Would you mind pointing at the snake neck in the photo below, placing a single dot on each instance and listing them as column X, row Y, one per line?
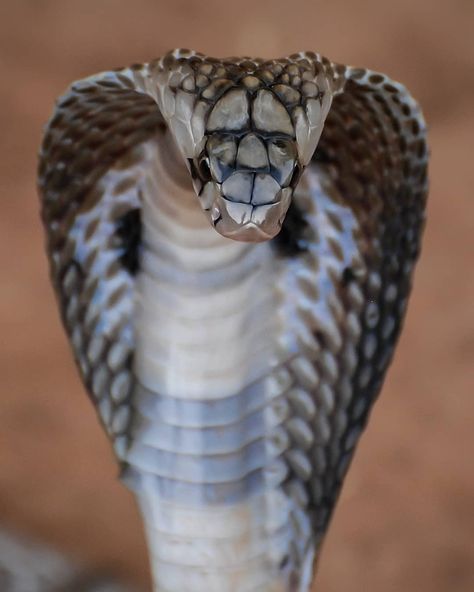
column 203, row 461
column 203, row 321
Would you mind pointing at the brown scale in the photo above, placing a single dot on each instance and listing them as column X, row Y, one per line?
column 388, row 197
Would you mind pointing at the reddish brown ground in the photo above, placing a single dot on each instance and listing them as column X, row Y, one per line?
column 405, row 521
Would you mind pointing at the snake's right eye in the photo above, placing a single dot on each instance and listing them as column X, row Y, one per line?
column 204, row 170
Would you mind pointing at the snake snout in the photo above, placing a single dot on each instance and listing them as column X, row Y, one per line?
column 255, row 189
column 248, row 182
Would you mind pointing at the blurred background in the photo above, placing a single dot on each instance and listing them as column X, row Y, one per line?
column 405, row 521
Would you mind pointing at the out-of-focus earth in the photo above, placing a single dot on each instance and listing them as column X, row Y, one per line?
column 405, row 520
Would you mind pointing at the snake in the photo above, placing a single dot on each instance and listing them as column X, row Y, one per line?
column 232, row 245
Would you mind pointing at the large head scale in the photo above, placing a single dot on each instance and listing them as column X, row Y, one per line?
column 246, row 128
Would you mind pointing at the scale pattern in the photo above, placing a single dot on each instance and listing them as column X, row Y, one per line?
column 342, row 262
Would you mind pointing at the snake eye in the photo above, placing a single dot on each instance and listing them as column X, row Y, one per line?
column 297, row 171
column 204, row 170
column 202, row 173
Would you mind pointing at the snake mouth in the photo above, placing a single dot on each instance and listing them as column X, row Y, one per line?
column 248, row 233
column 249, row 222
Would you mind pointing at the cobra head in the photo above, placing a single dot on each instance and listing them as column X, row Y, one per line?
column 246, row 129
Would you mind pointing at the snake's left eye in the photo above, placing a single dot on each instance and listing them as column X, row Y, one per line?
column 297, row 171
column 201, row 173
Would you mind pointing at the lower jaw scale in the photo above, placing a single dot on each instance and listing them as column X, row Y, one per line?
column 246, row 221
column 249, row 232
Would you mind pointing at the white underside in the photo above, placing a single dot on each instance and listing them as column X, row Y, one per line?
column 215, row 517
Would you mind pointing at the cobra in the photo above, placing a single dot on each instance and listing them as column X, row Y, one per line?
column 232, row 245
